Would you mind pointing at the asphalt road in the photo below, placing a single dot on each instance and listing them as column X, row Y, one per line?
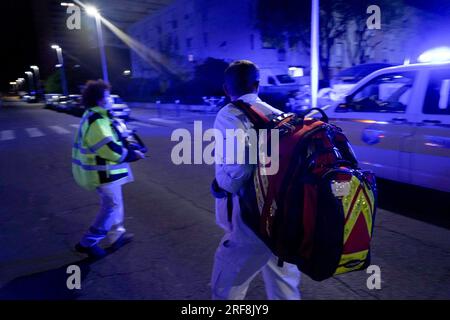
column 43, row 213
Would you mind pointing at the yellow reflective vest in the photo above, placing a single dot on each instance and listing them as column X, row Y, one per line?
column 98, row 155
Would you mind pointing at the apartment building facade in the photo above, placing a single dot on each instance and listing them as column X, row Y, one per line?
column 190, row 31
column 186, row 32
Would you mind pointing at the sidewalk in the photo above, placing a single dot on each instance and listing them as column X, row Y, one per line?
column 170, row 115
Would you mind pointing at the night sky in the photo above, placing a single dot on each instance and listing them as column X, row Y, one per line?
column 22, row 47
column 18, row 40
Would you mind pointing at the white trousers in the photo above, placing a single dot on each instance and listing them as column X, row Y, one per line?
column 109, row 220
column 241, row 255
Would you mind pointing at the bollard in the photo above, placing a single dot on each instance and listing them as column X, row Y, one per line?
column 177, row 103
column 158, row 107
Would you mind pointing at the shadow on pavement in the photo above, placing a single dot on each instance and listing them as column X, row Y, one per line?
column 427, row 205
column 46, row 285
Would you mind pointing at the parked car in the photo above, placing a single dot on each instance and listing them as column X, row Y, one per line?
column 120, row 109
column 30, row 98
column 74, row 105
column 346, row 79
column 61, row 104
column 51, row 99
column 398, row 121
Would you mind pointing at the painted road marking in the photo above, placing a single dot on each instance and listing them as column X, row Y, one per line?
column 165, row 121
column 59, row 130
column 34, row 132
column 7, row 135
column 142, row 124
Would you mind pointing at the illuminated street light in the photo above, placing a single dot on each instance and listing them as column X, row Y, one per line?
column 67, row 4
column 92, row 11
column 61, row 65
column 36, row 78
column 30, row 81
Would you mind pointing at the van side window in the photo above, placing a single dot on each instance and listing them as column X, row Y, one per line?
column 437, row 97
column 387, row 93
column 271, row 81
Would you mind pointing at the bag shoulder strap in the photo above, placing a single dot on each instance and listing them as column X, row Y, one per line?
column 256, row 117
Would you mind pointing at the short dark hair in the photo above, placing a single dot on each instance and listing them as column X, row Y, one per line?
column 93, row 92
column 241, row 76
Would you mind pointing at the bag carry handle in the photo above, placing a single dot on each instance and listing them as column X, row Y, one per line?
column 324, row 115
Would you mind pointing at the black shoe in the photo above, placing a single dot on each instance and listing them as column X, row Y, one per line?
column 94, row 252
column 122, row 240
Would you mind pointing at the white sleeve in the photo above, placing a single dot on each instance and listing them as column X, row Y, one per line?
column 229, row 174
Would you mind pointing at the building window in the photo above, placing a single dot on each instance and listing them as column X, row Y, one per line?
column 281, row 54
column 205, row 39
column 189, row 43
column 268, row 44
column 252, row 42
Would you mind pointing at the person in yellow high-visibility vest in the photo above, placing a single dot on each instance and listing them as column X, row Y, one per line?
column 100, row 161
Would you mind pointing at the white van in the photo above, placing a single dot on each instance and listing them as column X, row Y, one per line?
column 274, row 81
column 398, row 121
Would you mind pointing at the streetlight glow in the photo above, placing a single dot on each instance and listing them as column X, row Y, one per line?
column 55, row 46
column 92, row 11
column 67, row 4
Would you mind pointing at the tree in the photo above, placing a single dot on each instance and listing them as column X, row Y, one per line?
column 288, row 21
column 360, row 40
column 53, row 83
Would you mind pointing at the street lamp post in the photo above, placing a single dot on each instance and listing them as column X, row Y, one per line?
column 314, row 51
column 61, row 66
column 92, row 11
column 13, row 85
column 36, row 78
column 20, row 82
column 29, row 75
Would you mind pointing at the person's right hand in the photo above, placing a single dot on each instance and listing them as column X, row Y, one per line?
column 139, row 154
